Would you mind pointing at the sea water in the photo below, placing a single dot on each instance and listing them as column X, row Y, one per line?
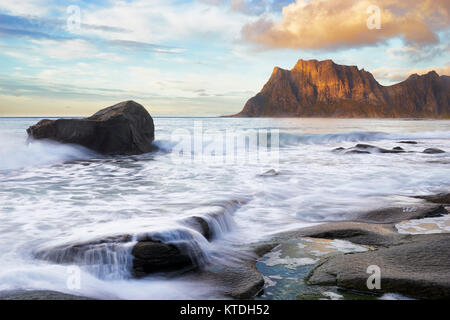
column 53, row 194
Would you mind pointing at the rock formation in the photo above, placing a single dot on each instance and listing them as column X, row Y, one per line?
column 125, row 128
column 325, row 89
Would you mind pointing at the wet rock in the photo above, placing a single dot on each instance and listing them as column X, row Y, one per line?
column 376, row 149
column 395, row 214
column 125, row 128
column 38, row 295
column 368, row 149
column 239, row 282
column 355, row 232
column 152, row 256
column 408, row 142
column 269, row 173
column 433, row 151
column 89, row 252
column 443, row 198
column 357, row 152
column 201, row 225
column 149, row 255
column 418, row 268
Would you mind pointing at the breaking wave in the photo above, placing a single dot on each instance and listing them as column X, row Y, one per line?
column 290, row 139
column 18, row 153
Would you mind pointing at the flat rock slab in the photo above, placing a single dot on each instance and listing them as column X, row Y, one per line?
column 418, row 268
column 355, row 232
column 39, row 295
column 125, row 128
column 443, row 198
column 395, row 214
column 238, row 282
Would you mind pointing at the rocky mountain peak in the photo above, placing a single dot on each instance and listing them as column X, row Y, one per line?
column 314, row 88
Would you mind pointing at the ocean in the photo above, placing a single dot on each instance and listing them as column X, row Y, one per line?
column 53, row 194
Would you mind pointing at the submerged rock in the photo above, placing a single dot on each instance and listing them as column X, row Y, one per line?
column 418, row 268
column 433, row 151
column 125, row 128
column 408, row 142
column 89, row 252
column 368, row 149
column 377, row 149
column 148, row 255
column 357, row 152
column 38, row 295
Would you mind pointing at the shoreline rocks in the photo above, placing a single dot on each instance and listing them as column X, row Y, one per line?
column 442, row 198
column 418, row 268
column 122, row 129
column 39, row 295
column 414, row 265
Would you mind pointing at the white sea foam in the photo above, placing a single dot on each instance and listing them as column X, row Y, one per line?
column 17, row 152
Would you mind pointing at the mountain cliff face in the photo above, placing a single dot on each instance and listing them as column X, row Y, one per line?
column 325, row 89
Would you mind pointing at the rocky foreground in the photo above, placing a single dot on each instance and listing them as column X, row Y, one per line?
column 413, row 265
column 325, row 89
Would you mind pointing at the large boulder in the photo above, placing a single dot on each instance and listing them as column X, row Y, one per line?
column 125, row 128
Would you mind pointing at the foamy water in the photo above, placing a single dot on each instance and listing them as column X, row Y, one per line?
column 52, row 194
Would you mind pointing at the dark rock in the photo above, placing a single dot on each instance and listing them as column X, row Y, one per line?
column 200, row 224
column 338, row 149
column 377, row 149
column 367, row 148
column 418, row 268
column 443, row 198
column 433, row 151
column 408, row 142
column 125, row 128
column 398, row 149
column 149, row 255
column 357, row 152
column 152, row 256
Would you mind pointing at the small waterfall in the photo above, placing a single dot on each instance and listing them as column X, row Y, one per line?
column 109, row 258
column 215, row 219
column 191, row 243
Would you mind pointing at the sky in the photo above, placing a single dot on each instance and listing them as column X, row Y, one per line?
column 200, row 57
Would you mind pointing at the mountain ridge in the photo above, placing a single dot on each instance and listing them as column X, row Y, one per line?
column 315, row 88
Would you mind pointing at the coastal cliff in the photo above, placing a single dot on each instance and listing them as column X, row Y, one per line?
column 325, row 89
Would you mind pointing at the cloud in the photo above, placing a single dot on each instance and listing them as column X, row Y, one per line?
column 415, row 53
column 392, row 75
column 67, row 45
column 330, row 24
